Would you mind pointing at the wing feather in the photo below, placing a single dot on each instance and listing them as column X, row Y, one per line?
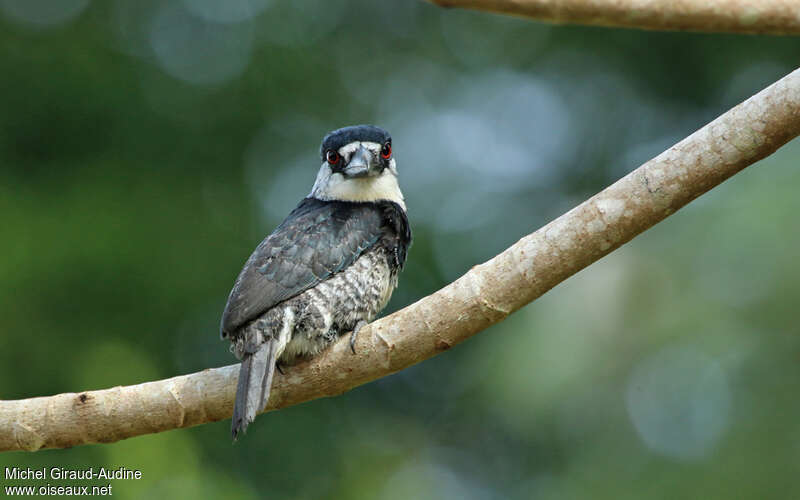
column 317, row 240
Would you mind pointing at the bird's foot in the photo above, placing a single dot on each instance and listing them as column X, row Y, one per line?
column 353, row 335
column 278, row 365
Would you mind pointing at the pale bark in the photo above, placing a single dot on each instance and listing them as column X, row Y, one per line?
column 775, row 17
column 484, row 296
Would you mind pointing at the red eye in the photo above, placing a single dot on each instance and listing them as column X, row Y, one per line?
column 386, row 151
column 332, row 157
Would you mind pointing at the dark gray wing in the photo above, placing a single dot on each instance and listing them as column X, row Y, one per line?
column 316, row 240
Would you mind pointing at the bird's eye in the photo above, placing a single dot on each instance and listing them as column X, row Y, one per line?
column 332, row 157
column 386, row 151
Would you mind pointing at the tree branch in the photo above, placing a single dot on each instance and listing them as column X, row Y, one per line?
column 485, row 295
column 774, row 17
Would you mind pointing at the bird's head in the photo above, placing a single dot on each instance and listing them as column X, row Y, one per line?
column 357, row 165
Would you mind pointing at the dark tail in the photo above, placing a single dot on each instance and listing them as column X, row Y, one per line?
column 252, row 391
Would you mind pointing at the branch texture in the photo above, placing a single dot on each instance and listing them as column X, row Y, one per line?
column 775, row 17
column 485, row 295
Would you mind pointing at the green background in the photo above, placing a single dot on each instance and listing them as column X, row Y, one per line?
column 147, row 147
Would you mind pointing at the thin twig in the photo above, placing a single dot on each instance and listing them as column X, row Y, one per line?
column 774, row 17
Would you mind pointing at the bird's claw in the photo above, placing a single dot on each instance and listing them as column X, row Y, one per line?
column 353, row 335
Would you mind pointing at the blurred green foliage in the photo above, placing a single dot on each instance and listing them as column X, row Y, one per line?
column 147, row 147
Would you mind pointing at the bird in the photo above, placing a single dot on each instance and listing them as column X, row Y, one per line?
column 328, row 269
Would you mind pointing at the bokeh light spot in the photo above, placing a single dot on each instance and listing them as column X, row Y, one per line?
column 679, row 402
column 42, row 12
column 230, row 11
column 197, row 51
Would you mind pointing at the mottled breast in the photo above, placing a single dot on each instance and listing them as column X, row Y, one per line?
column 334, row 307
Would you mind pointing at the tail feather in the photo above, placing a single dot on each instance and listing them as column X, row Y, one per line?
column 252, row 391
